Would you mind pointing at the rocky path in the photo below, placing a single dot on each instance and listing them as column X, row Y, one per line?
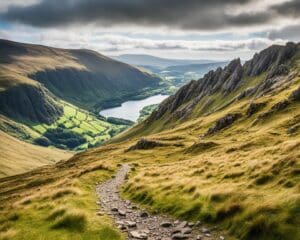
column 138, row 224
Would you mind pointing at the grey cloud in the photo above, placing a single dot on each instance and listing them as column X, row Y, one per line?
column 289, row 32
column 184, row 14
column 290, row 8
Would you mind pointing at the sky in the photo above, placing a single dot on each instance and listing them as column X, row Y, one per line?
column 185, row 29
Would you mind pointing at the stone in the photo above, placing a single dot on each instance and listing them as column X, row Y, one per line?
column 254, row 108
column 205, row 230
column 182, row 224
column 138, row 234
column 144, row 215
column 114, row 209
column 197, row 224
column 199, row 237
column 130, row 223
column 222, row 238
column 166, row 224
column 122, row 227
column 223, row 122
column 122, row 213
column 191, row 224
column 180, row 236
column 186, row 230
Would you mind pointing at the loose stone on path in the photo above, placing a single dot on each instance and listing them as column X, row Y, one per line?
column 137, row 223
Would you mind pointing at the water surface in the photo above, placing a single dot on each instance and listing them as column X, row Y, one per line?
column 131, row 109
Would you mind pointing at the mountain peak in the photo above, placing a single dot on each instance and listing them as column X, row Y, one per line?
column 233, row 81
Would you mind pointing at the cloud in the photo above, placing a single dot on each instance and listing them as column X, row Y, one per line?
column 292, row 33
column 290, row 8
column 182, row 14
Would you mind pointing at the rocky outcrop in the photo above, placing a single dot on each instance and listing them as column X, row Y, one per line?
column 221, row 80
column 270, row 59
column 274, row 61
column 295, row 95
column 144, row 144
column 254, row 108
column 32, row 103
column 224, row 122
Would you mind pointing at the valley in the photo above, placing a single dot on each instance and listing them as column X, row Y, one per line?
column 223, row 150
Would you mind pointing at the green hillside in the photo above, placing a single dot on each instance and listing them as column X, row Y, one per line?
column 226, row 154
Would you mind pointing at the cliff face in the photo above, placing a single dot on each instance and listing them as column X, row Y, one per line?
column 270, row 65
column 30, row 103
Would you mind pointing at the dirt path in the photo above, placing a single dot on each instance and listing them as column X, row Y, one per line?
column 138, row 224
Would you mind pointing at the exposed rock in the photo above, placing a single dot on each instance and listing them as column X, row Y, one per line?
column 246, row 93
column 280, row 105
column 278, row 71
column 122, row 213
column 166, row 224
column 130, row 223
column 139, row 234
column 182, row 225
column 269, row 59
column 273, row 61
column 144, row 215
column 186, row 230
column 254, row 108
column 224, row 80
column 191, row 224
column 295, row 96
column 205, row 230
column 144, row 144
column 135, row 223
column 114, row 209
column 223, row 123
column 180, row 236
column 201, row 147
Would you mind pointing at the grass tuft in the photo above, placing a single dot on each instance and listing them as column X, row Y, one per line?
column 75, row 221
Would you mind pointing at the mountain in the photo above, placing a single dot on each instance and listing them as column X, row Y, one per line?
column 40, row 74
column 200, row 69
column 148, row 60
column 52, row 97
column 223, row 150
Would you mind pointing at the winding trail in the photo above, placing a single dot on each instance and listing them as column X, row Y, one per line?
column 138, row 224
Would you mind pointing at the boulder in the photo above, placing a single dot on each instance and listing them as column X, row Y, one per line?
column 144, row 144
column 166, row 224
column 254, row 108
column 224, row 122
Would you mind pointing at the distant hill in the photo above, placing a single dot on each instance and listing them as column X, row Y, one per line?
column 223, row 151
column 148, row 60
column 32, row 77
column 200, row 68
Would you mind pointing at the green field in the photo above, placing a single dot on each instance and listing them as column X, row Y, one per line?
column 81, row 123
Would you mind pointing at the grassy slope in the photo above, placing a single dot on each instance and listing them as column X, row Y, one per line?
column 246, row 182
column 95, row 77
column 56, row 202
column 26, row 157
column 244, row 178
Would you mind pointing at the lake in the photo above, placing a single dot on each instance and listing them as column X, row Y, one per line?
column 131, row 109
